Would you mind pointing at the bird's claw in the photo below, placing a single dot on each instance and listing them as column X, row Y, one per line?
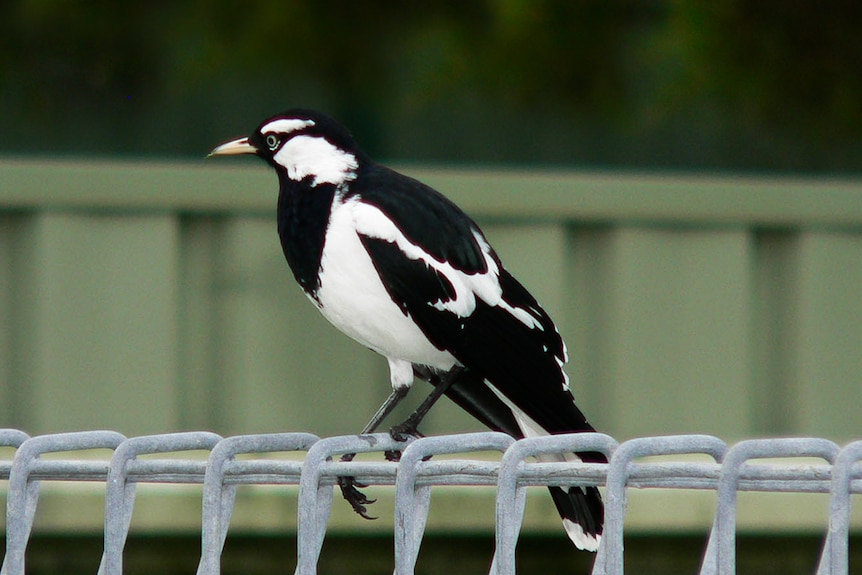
column 393, row 455
column 350, row 488
column 404, row 432
column 351, row 493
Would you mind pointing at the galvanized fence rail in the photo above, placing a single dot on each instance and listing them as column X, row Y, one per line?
column 727, row 471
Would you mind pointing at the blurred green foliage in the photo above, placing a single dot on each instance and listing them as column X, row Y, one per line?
column 724, row 84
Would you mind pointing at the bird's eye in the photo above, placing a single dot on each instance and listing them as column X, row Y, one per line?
column 271, row 141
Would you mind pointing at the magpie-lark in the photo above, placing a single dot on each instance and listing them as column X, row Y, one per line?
column 402, row 270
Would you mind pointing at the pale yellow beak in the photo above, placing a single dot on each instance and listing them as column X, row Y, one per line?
column 233, row 148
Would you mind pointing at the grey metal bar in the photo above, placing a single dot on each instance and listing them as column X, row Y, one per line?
column 10, row 438
column 315, row 496
column 24, row 493
column 609, row 559
column 120, row 492
column 218, row 496
column 511, row 492
column 834, row 559
column 412, row 501
column 730, row 471
column 720, row 557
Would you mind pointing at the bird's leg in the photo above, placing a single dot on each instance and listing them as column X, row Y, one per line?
column 410, row 426
column 349, row 487
column 383, row 412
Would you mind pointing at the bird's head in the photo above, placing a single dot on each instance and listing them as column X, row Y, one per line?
column 302, row 145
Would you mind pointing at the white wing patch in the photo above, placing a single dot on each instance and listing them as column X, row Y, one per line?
column 372, row 222
column 561, row 361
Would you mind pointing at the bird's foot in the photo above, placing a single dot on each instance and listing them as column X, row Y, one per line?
column 405, row 431
column 402, row 432
column 350, row 490
column 392, row 455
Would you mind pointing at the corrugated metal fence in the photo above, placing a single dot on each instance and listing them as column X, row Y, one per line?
column 797, row 465
column 145, row 296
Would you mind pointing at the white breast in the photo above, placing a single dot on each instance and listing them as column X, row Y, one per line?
column 352, row 297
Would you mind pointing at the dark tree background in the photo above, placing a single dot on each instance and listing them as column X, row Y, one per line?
column 725, row 84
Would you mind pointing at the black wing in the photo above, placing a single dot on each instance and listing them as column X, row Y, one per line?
column 425, row 216
column 522, row 359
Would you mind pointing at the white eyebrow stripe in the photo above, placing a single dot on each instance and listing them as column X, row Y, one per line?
column 286, row 126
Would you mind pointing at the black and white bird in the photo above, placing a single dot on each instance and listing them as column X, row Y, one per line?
column 402, row 270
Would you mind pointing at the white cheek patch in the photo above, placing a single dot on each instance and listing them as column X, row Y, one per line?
column 314, row 156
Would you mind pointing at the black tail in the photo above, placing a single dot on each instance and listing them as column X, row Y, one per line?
column 583, row 514
column 580, row 508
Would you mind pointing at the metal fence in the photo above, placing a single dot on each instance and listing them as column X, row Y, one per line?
column 727, row 470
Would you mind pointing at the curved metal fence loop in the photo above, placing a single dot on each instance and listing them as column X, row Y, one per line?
column 315, row 468
column 23, row 494
column 512, row 494
column 219, row 497
column 835, row 557
column 120, row 491
column 412, row 501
